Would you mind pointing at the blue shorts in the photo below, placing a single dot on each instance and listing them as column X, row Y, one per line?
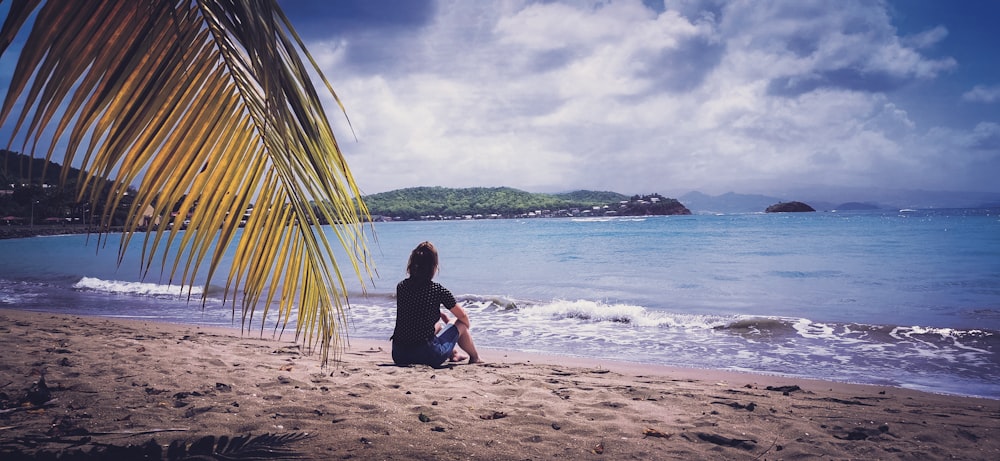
column 433, row 353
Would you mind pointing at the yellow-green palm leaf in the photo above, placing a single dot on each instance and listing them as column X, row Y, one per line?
column 206, row 104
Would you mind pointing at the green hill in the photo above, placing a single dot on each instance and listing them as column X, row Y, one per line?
column 592, row 197
column 28, row 197
column 417, row 202
column 29, row 202
column 506, row 202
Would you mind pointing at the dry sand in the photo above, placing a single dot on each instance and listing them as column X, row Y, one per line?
column 111, row 383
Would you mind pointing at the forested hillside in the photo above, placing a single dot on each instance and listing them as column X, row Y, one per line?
column 29, row 197
column 44, row 202
column 506, row 202
column 416, row 202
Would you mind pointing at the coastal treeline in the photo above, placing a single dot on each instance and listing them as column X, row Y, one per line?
column 32, row 193
column 417, row 203
column 422, row 202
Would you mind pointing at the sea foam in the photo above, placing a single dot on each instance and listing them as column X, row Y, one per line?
column 135, row 288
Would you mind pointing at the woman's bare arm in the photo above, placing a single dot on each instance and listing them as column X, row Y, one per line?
column 460, row 315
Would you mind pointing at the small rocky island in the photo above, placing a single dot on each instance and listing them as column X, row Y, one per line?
column 650, row 205
column 789, row 207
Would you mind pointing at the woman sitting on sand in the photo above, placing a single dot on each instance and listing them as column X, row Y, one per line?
column 418, row 337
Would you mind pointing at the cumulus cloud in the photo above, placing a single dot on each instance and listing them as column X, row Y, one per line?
column 614, row 95
column 983, row 93
column 927, row 38
column 986, row 137
column 812, row 45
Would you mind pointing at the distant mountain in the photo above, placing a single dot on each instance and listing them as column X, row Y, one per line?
column 28, row 196
column 856, row 206
column 837, row 198
column 891, row 198
column 729, row 202
column 17, row 169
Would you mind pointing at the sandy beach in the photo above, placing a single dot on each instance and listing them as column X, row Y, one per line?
column 90, row 386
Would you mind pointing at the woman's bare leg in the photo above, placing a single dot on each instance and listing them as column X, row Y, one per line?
column 465, row 342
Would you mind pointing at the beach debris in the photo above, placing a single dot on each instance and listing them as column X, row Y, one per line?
column 437, row 429
column 746, row 444
column 223, row 387
column 494, row 415
column 556, row 426
column 736, row 405
column 289, row 350
column 598, row 449
column 785, row 390
column 266, row 446
column 242, row 447
column 845, row 402
column 39, row 393
column 38, row 396
column 195, row 411
column 185, row 394
column 562, row 393
column 650, row 432
column 863, row 433
column 155, row 391
column 148, row 431
column 424, row 418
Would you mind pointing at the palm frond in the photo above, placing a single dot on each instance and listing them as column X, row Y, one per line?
column 206, row 106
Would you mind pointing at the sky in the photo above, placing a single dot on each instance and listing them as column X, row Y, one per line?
column 662, row 96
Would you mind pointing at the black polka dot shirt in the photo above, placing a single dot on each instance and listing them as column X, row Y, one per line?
column 418, row 308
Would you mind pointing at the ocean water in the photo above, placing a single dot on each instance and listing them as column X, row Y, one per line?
column 888, row 298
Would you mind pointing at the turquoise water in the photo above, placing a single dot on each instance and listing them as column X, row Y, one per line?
column 902, row 299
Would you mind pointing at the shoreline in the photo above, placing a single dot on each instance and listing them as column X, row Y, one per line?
column 45, row 230
column 549, row 357
column 122, row 382
column 869, row 378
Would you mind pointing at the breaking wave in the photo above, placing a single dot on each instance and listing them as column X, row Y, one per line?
column 638, row 316
column 136, row 288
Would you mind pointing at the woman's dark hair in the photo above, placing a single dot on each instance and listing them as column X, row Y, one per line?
column 423, row 262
